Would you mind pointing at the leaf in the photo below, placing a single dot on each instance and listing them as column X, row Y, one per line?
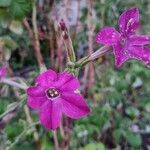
column 147, row 107
column 20, row 8
column 45, row 144
column 3, row 13
column 8, row 42
column 133, row 139
column 7, row 53
column 132, row 111
column 94, row 146
column 117, row 134
column 4, row 23
column 16, row 27
column 5, row 3
column 4, row 17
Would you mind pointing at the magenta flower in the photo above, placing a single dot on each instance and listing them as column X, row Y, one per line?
column 3, row 71
column 126, row 44
column 55, row 94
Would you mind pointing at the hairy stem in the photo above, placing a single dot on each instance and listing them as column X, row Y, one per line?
column 62, row 130
column 55, row 140
column 35, row 133
column 91, row 28
column 35, row 31
column 13, row 83
column 100, row 52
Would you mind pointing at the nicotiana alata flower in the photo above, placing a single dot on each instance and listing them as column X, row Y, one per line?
column 126, row 43
column 55, row 94
column 3, row 71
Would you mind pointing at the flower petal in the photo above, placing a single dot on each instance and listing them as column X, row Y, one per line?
column 70, row 85
column 47, row 78
column 129, row 21
column 3, row 71
column 50, row 115
column 107, row 35
column 67, row 82
column 120, row 54
column 74, row 105
column 140, row 53
column 36, row 91
column 139, row 40
column 36, row 102
column 63, row 78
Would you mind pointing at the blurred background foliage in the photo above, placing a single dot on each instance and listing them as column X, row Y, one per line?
column 119, row 98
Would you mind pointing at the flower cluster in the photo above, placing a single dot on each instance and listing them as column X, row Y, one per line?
column 55, row 94
column 126, row 44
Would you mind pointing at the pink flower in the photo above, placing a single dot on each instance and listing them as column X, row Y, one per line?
column 53, row 95
column 3, row 71
column 126, row 44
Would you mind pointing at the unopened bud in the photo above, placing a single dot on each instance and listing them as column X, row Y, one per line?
column 62, row 25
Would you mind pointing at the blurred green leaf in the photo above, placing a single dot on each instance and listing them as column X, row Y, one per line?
column 8, row 42
column 20, row 8
column 117, row 134
column 5, row 3
column 16, row 27
column 132, row 111
column 46, row 145
column 7, row 53
column 94, row 146
column 134, row 139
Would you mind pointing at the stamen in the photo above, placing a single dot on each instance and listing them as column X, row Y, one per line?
column 52, row 93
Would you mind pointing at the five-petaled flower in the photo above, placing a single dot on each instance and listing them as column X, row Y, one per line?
column 3, row 71
column 55, row 94
column 126, row 44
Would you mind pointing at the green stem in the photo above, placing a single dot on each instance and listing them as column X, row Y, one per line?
column 56, row 140
column 13, row 83
column 100, row 52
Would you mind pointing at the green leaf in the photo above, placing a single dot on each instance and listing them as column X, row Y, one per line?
column 94, row 146
column 20, row 8
column 16, row 27
column 45, row 144
column 7, row 52
column 3, row 12
column 147, row 107
column 118, row 134
column 8, row 42
column 4, row 17
column 5, row 3
column 132, row 112
column 133, row 139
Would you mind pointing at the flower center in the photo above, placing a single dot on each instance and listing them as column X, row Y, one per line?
column 123, row 41
column 52, row 93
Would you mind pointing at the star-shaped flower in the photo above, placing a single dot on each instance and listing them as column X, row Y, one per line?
column 126, row 44
column 55, row 94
